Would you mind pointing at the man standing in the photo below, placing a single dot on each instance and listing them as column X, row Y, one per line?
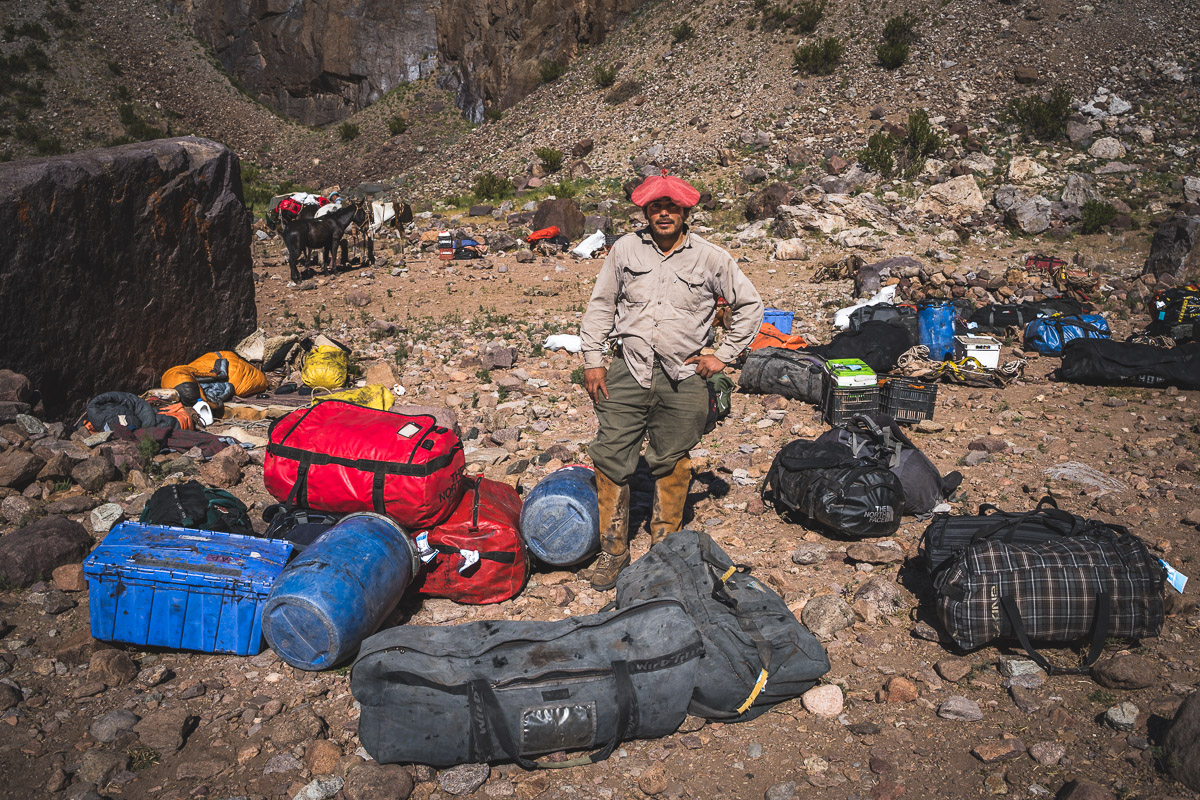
column 656, row 295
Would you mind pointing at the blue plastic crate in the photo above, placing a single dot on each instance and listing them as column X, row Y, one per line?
column 181, row 588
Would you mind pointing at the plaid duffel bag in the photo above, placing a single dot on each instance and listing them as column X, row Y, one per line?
column 1098, row 581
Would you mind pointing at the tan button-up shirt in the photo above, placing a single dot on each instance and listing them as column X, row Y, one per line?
column 663, row 305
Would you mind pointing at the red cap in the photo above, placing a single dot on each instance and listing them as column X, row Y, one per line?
column 657, row 186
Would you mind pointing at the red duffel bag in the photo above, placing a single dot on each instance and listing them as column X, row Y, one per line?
column 480, row 555
column 342, row 457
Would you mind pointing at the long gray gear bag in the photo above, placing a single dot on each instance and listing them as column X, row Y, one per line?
column 756, row 653
column 508, row 691
column 776, row 370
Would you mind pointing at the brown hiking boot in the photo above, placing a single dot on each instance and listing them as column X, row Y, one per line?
column 606, row 569
column 613, row 502
column 670, row 495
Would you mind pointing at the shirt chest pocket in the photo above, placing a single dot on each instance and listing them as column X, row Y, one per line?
column 690, row 292
column 637, row 284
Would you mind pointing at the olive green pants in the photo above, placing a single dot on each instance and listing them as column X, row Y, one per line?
column 672, row 415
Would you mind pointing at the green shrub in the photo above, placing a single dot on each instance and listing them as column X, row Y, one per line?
column 396, row 125
column 490, row 186
column 808, row 16
column 347, row 131
column 605, row 76
column 623, row 91
column 551, row 159
column 1042, row 117
column 577, row 376
column 819, row 58
column 565, row 189
column 28, row 30
column 923, row 139
column 493, row 114
column 552, row 70
column 900, row 29
column 892, row 55
column 682, row 31
column 1097, row 214
column 880, row 154
column 137, row 127
column 115, row 68
column 61, row 20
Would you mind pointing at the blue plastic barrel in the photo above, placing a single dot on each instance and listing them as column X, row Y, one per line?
column 935, row 327
column 782, row 320
column 560, row 520
column 338, row 591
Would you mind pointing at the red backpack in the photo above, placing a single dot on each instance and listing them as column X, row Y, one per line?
column 481, row 557
column 341, row 457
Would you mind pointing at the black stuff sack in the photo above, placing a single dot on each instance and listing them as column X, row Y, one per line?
column 795, row 374
column 825, row 484
column 192, row 505
column 756, row 653
column 903, row 315
column 300, row 526
column 1098, row 582
column 1103, row 362
column 879, row 437
column 879, row 344
column 512, row 690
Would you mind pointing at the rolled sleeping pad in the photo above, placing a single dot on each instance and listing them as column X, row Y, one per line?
column 339, row 590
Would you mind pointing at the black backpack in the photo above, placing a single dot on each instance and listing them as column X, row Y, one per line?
column 1103, row 362
column 1172, row 307
column 824, row 483
column 879, row 344
column 300, row 526
column 756, row 653
column 795, row 374
column 879, row 437
column 193, row 505
column 903, row 315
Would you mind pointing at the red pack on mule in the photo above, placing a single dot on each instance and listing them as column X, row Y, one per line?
column 341, row 457
column 481, row 557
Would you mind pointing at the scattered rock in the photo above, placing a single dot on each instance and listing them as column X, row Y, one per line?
column 1025, row 75
column 899, row 690
column 69, row 578
column 826, row 614
column 19, row 467
column 654, row 780
column 955, row 198
column 1084, row 790
column 1125, row 672
column 1107, row 148
column 104, row 517
column 960, row 708
column 112, row 667
column 281, row 764
column 463, row 779
column 995, row 750
column 371, row 781
column 781, row 791
column 887, row 552
column 953, row 669
column 791, row 250
column 1122, row 717
column 321, row 788
column 99, row 766
column 165, row 730
column 823, row 701
column 322, row 756
column 33, row 552
column 1047, row 753
column 809, row 553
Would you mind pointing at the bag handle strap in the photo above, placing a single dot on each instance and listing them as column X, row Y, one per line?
column 1100, row 626
column 475, row 506
column 493, row 720
column 720, row 575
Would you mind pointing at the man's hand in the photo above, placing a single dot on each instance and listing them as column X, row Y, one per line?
column 593, row 381
column 707, row 366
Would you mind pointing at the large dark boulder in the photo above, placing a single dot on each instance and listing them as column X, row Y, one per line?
column 765, row 202
column 1182, row 743
column 562, row 212
column 119, row 263
column 33, row 552
column 1175, row 250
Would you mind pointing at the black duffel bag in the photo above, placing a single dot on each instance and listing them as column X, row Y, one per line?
column 879, row 344
column 300, row 526
column 508, row 690
column 878, row 436
column 756, row 653
column 1095, row 581
column 795, row 374
column 1103, row 362
column 999, row 317
column 825, row 484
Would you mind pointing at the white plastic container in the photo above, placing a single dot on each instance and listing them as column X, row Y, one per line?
column 984, row 349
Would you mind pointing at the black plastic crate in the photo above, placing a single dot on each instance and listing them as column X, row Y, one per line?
column 907, row 400
column 841, row 404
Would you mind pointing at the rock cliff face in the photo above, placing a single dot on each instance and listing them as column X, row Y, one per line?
column 120, row 263
column 492, row 49
column 319, row 61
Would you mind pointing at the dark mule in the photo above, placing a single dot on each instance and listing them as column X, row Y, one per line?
column 324, row 232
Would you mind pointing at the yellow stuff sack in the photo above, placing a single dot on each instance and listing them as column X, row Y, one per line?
column 375, row 396
column 326, row 367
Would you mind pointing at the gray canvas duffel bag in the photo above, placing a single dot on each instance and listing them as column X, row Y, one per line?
column 794, row 374
column 756, row 653
column 508, row 690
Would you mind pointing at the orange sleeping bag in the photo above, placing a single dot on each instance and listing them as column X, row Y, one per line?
column 247, row 380
column 770, row 336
